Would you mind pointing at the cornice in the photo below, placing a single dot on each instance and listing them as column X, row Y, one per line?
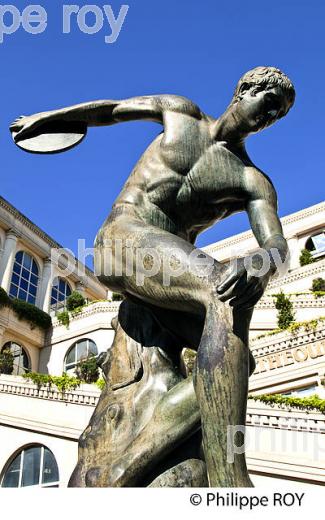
column 38, row 231
column 298, row 301
column 298, row 274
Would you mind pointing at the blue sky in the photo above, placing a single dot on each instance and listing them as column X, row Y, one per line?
column 196, row 49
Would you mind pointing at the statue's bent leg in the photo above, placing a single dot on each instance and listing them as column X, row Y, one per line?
column 128, row 247
column 221, row 376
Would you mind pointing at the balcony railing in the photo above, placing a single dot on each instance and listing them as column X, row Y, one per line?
column 86, row 395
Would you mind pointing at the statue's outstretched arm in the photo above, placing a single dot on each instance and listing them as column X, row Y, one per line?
column 109, row 112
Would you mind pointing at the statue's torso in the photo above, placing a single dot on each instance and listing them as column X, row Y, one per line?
column 189, row 178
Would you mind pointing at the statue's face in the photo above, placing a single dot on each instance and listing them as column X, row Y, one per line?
column 261, row 107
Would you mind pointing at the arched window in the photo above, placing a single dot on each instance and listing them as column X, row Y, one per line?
column 21, row 359
column 32, row 466
column 60, row 291
column 82, row 349
column 24, row 279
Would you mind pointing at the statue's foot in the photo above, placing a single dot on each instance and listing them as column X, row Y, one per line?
column 189, row 473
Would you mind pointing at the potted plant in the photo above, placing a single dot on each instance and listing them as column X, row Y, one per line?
column 87, row 370
column 6, row 362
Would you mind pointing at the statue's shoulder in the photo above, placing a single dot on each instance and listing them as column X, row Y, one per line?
column 181, row 105
column 259, row 184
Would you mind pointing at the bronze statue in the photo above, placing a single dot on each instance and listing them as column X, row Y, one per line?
column 195, row 173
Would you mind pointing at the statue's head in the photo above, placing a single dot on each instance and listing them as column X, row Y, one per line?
column 263, row 95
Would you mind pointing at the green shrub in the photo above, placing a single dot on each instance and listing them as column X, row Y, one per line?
column 117, row 297
column 31, row 313
column 4, row 298
column 285, row 311
column 306, row 257
column 100, row 383
column 75, row 300
column 63, row 383
column 26, row 311
column 87, row 370
column 319, row 294
column 309, row 325
column 312, row 402
column 318, row 285
column 64, row 318
column 39, row 379
column 6, row 361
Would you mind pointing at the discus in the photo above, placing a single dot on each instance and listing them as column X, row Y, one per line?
column 53, row 137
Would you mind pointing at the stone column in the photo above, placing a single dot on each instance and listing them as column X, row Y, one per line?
column 294, row 252
column 321, row 383
column 45, row 287
column 8, row 258
column 2, row 331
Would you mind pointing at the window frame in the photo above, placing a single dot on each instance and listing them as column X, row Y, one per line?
column 21, row 453
column 55, row 305
column 23, row 351
column 73, row 365
column 20, row 274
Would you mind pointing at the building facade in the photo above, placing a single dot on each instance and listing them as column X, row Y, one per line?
column 40, row 426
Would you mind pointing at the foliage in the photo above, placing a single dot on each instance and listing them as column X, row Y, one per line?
column 99, row 300
column 306, row 257
column 87, row 370
column 285, row 311
column 294, row 327
column 39, row 379
column 313, row 402
column 4, row 298
column 26, row 311
column 306, row 325
column 75, row 304
column 75, row 300
column 319, row 294
column 100, row 383
column 305, row 293
column 31, row 313
column 63, row 383
column 6, row 361
column 269, row 333
column 117, row 297
column 318, row 285
column 64, row 318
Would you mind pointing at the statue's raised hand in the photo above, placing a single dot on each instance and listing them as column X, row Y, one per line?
column 24, row 126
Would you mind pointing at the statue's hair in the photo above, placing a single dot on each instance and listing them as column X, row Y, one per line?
column 265, row 77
